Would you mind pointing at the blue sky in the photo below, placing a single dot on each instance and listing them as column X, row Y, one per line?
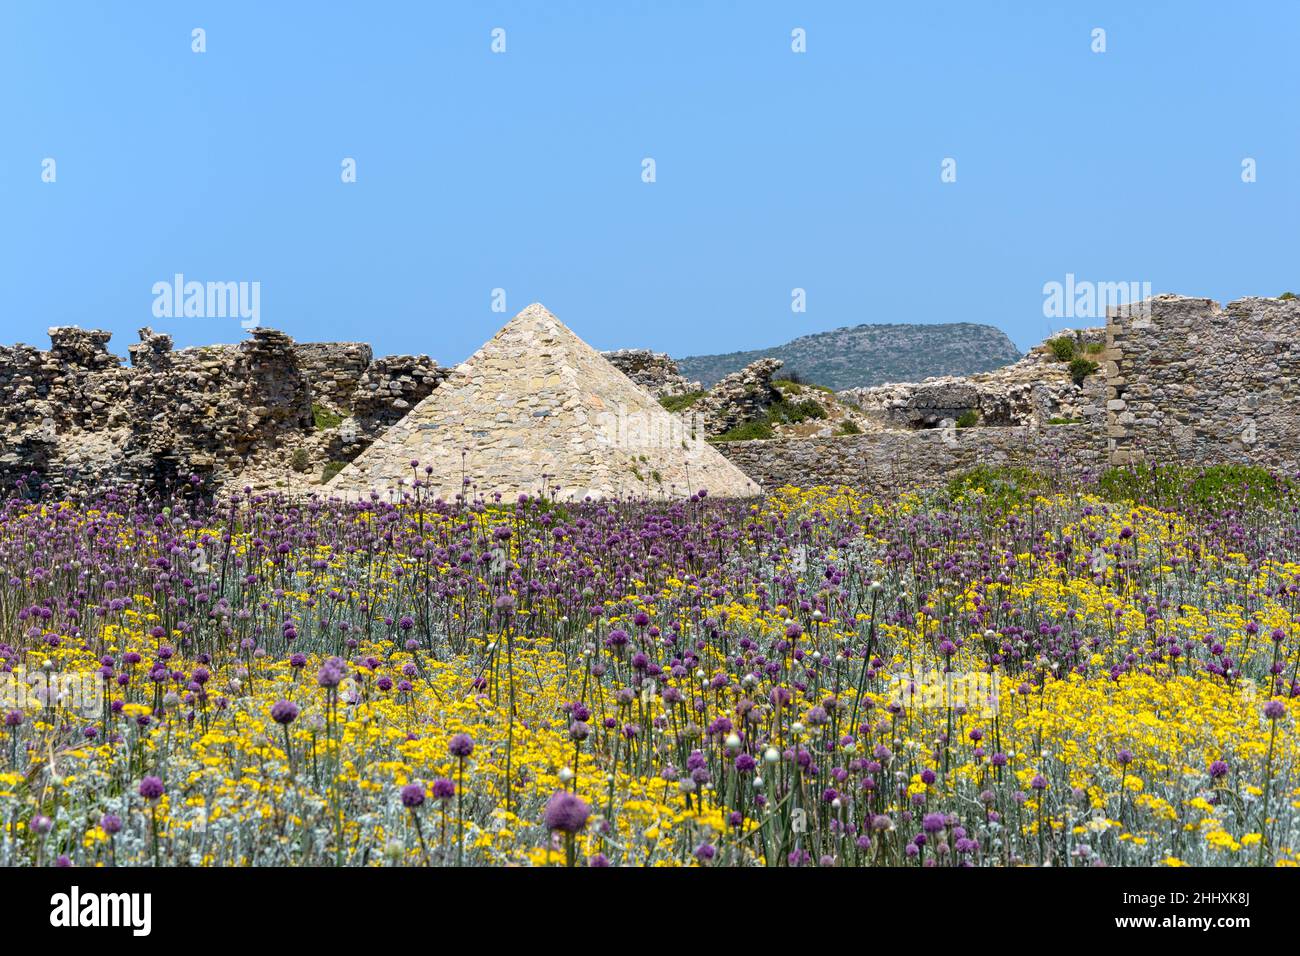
column 522, row 170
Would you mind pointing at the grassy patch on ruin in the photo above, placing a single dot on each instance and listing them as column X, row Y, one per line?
column 679, row 403
column 784, row 412
column 849, row 428
column 750, row 431
column 324, row 419
column 968, row 419
column 332, row 469
column 795, row 386
column 1178, row 487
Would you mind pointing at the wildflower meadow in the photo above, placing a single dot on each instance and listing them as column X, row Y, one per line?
column 996, row 674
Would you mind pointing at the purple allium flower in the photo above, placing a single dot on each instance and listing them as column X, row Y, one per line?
column 111, row 823
column 284, row 711
column 566, row 812
column 443, row 789
column 412, row 795
column 151, row 788
column 331, row 675
column 1218, row 769
column 14, row 718
column 462, row 745
column 1274, row 710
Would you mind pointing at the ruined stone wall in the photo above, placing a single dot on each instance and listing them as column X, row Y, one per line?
column 889, row 462
column 79, row 418
column 1194, row 383
column 334, row 370
column 656, row 372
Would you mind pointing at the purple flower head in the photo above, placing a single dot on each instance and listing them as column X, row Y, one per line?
column 151, row 788
column 566, row 812
column 284, row 711
column 462, row 745
column 412, row 795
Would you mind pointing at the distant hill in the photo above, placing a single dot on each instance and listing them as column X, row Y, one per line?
column 862, row 355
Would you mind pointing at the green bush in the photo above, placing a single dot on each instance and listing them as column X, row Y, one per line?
column 850, row 428
column 300, row 461
column 747, row 432
column 1081, row 368
column 1065, row 421
column 968, row 419
column 331, row 469
column 1287, row 295
column 324, row 419
column 678, row 403
column 792, row 413
column 1062, row 348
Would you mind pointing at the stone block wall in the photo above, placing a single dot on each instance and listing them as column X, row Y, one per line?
column 1192, row 382
column 334, row 370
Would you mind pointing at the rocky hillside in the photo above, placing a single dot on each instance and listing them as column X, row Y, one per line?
column 863, row 355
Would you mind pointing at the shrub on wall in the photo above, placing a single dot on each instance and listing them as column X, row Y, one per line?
column 1081, row 368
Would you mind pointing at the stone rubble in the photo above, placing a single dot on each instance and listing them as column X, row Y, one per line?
column 79, row 418
column 656, row 372
column 1033, row 391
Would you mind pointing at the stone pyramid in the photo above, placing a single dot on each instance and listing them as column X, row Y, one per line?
column 538, row 411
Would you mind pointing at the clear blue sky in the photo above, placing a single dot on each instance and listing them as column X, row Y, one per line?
column 522, row 170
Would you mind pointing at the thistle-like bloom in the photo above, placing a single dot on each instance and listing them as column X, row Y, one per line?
column 284, row 711
column 566, row 812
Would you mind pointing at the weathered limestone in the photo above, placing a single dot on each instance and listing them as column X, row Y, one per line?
column 1190, row 381
column 741, row 397
column 538, row 411
column 656, row 372
column 80, row 419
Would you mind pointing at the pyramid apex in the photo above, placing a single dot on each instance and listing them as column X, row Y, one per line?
column 534, row 312
column 537, row 319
